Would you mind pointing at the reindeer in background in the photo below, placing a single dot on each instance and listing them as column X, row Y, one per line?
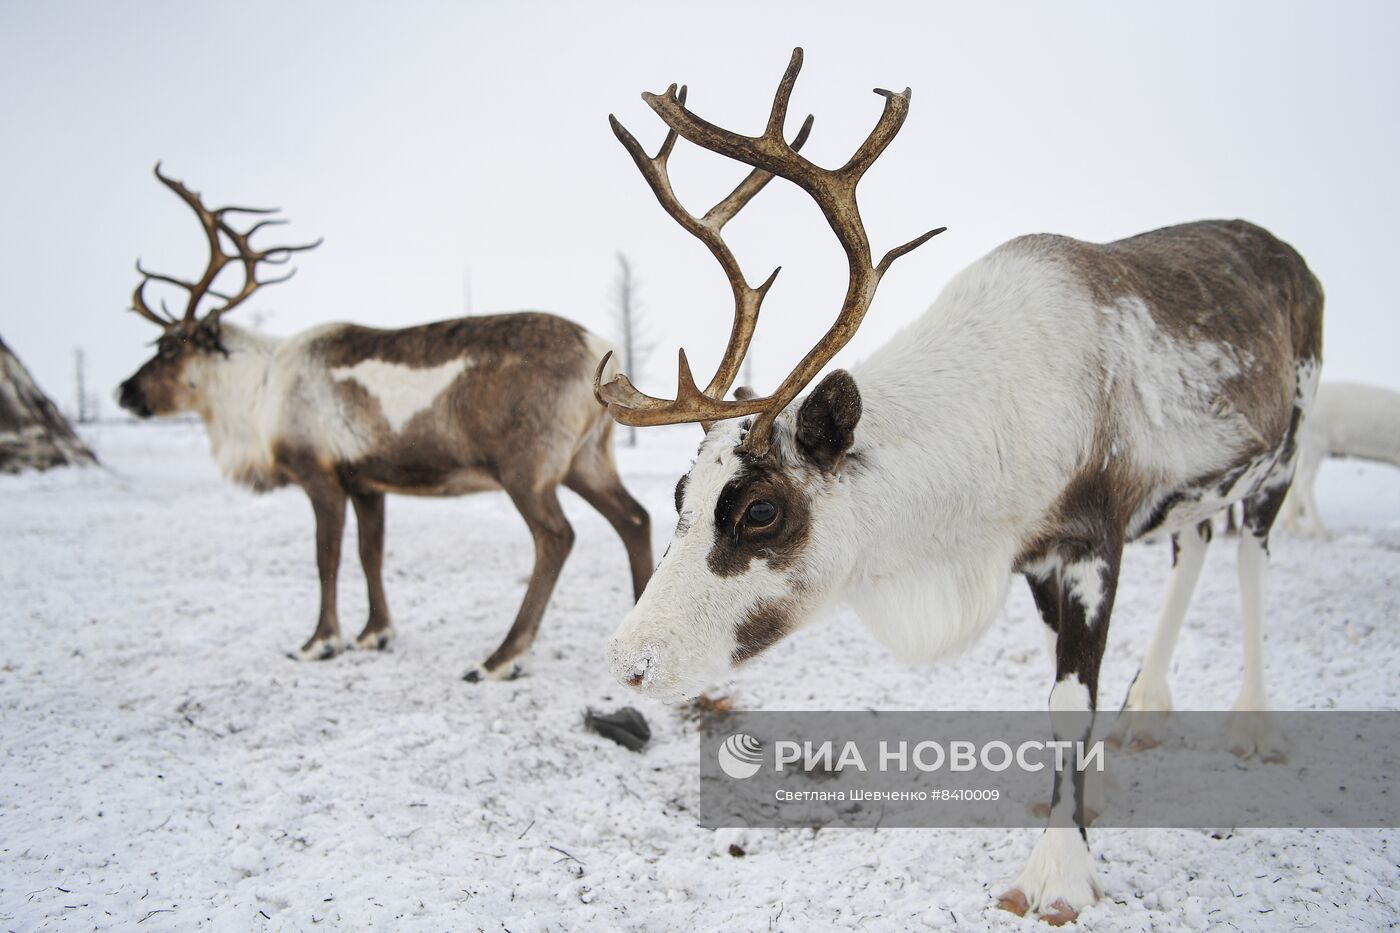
column 1058, row 399
column 351, row 413
column 1350, row 420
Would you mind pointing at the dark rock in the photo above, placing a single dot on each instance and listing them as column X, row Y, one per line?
column 626, row 727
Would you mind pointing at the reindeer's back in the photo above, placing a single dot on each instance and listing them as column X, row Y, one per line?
column 1216, row 313
column 1227, row 279
column 453, row 405
column 1206, row 359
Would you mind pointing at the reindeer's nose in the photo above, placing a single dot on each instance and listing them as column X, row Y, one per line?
column 130, row 398
column 633, row 665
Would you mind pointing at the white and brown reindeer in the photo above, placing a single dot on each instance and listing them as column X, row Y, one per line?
column 492, row 402
column 1349, row 420
column 1058, row 399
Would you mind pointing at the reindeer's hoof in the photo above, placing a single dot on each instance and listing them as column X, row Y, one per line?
column 1255, row 733
column 1143, row 741
column 318, row 649
column 1132, row 741
column 1058, row 880
column 1014, row 901
column 1058, row 914
column 1269, row 756
column 505, row 672
column 378, row 640
column 1144, row 718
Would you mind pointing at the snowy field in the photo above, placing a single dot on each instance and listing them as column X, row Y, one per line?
column 164, row 764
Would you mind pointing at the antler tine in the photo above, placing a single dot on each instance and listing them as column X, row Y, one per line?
column 160, row 277
column 624, row 400
column 777, row 117
column 663, row 155
column 233, row 209
column 889, row 124
column 138, row 301
column 271, row 221
column 834, row 191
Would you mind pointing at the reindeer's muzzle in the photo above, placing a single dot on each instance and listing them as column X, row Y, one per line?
column 651, row 668
column 130, row 397
column 633, row 665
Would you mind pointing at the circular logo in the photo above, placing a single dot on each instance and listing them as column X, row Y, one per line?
column 740, row 756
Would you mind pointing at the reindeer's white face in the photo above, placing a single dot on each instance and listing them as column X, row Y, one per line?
column 761, row 543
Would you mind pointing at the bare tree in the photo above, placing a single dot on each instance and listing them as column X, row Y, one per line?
column 627, row 313
column 84, row 412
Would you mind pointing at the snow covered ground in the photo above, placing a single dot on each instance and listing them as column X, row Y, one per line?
column 164, row 764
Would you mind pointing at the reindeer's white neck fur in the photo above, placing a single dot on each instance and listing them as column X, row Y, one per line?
column 969, row 432
column 235, row 400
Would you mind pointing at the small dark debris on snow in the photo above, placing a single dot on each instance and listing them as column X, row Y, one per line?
column 704, row 709
column 737, row 850
column 626, row 727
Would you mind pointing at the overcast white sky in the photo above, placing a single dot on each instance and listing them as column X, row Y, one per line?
column 423, row 139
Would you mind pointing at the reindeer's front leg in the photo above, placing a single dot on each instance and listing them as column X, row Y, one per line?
column 1059, row 881
column 328, row 501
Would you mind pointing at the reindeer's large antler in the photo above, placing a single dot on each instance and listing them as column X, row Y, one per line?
column 215, row 227
column 707, row 229
column 834, row 190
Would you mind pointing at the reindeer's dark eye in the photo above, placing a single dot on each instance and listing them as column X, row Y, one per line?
column 760, row 514
column 168, row 347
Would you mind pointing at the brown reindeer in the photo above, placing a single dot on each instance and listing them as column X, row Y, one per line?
column 351, row 413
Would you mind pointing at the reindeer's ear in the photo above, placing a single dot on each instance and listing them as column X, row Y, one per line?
column 744, row 393
column 826, row 422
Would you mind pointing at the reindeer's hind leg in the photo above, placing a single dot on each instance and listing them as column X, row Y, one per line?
column 593, row 475
column 1252, row 727
column 369, row 519
column 1149, row 692
column 554, row 538
column 328, row 502
column 1303, row 493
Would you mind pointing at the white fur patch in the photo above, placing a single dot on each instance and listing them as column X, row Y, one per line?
column 1069, row 696
column 934, row 613
column 1084, row 583
column 1174, row 380
column 401, row 391
column 1070, row 713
